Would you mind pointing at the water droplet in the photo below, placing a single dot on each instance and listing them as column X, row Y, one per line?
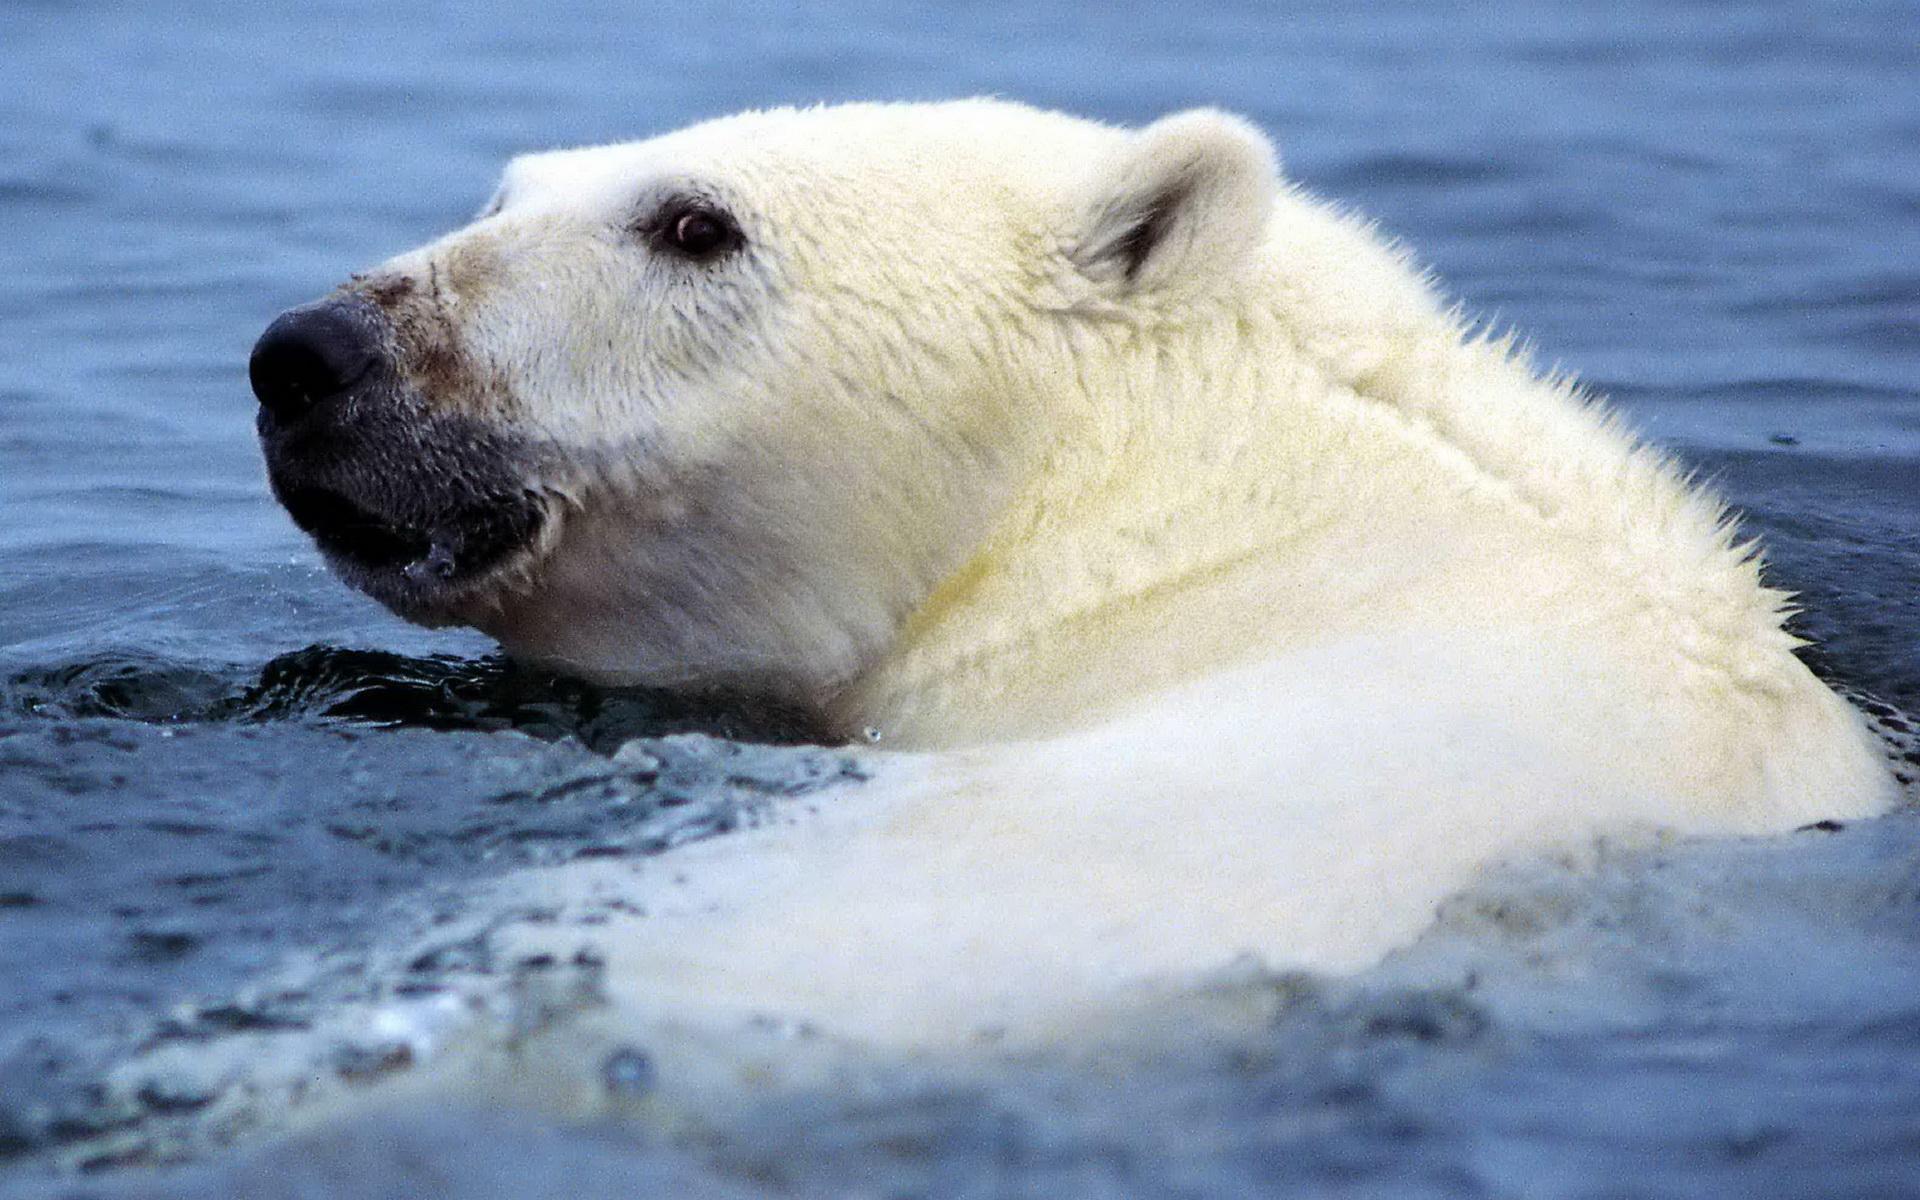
column 628, row 1072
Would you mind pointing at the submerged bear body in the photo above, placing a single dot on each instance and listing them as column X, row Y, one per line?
column 1254, row 602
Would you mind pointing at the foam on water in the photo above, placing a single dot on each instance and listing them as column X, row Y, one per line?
column 1568, row 1019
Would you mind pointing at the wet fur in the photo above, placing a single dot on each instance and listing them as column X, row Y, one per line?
column 1243, row 597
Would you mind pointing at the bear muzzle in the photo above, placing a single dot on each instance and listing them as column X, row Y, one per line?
column 417, row 507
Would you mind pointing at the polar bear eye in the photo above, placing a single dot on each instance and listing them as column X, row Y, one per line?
column 697, row 233
column 695, row 230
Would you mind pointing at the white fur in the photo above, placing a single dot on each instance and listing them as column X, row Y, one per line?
column 1261, row 602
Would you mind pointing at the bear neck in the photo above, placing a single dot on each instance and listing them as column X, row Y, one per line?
column 1225, row 490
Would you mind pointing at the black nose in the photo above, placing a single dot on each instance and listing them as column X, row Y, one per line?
column 313, row 353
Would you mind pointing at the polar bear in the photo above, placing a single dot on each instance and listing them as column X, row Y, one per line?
column 1209, row 585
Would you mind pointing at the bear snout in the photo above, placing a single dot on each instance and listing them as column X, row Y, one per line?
column 312, row 356
column 411, row 503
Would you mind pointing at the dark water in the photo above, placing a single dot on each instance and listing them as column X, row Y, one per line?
column 225, row 782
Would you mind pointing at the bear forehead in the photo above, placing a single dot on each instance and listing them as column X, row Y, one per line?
column 948, row 148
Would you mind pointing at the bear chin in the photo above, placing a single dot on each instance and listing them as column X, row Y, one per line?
column 433, row 559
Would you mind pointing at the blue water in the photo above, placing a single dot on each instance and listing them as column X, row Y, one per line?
column 215, row 760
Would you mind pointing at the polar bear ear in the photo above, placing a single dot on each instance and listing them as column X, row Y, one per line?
column 1182, row 201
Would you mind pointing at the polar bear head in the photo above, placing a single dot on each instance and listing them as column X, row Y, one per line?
column 722, row 408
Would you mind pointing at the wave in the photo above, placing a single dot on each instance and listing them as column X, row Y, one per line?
column 334, row 685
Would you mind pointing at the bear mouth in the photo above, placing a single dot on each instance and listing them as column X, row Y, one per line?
column 422, row 569
column 347, row 530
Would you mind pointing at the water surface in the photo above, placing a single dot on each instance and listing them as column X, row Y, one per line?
column 228, row 786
